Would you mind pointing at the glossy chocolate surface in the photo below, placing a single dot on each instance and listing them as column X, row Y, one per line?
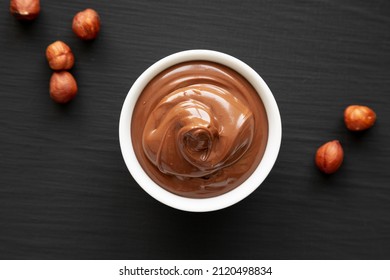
column 199, row 129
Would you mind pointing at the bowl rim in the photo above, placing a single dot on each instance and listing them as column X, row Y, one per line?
column 226, row 199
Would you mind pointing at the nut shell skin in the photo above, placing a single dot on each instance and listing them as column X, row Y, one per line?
column 329, row 157
column 63, row 87
column 358, row 118
column 60, row 56
column 86, row 24
column 25, row 9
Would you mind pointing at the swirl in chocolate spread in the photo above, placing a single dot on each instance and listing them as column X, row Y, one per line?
column 199, row 129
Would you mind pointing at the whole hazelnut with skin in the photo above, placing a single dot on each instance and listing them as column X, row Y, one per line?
column 25, row 9
column 63, row 87
column 86, row 24
column 329, row 157
column 358, row 118
column 59, row 56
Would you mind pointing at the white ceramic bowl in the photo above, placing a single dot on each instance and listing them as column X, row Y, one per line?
column 233, row 196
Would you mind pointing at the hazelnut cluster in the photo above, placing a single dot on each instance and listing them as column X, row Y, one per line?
column 63, row 86
column 86, row 25
column 330, row 155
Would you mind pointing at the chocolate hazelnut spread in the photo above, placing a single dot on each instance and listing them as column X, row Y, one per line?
column 199, row 129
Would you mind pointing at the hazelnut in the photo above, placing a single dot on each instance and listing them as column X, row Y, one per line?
column 59, row 56
column 359, row 118
column 329, row 157
column 25, row 9
column 86, row 24
column 63, row 87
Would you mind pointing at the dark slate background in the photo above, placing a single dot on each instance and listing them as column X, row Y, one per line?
column 65, row 192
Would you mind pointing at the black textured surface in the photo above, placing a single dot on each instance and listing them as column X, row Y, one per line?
column 65, row 192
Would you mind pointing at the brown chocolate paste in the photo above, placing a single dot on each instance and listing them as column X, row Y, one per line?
column 199, row 129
